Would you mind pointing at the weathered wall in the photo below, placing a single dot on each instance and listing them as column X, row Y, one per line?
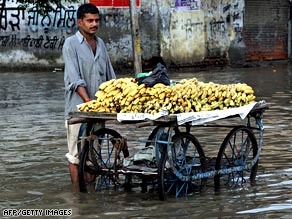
column 183, row 33
column 198, row 33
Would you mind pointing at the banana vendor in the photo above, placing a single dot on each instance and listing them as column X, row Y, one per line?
column 87, row 65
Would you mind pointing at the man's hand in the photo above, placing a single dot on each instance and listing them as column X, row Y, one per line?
column 83, row 93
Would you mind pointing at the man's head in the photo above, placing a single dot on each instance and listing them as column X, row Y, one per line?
column 86, row 9
column 88, row 19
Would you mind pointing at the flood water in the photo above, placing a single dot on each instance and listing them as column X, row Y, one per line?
column 34, row 174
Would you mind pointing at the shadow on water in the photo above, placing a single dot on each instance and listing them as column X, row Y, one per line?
column 33, row 170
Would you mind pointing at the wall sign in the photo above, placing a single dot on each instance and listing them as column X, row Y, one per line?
column 114, row 3
column 187, row 4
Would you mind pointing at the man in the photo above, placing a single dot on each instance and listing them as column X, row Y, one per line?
column 87, row 65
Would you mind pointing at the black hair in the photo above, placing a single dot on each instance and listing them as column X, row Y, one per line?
column 86, row 9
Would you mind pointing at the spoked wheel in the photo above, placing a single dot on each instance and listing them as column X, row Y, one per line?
column 99, row 160
column 235, row 159
column 159, row 138
column 179, row 167
column 153, row 134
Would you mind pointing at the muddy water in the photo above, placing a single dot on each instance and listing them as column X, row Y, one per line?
column 33, row 170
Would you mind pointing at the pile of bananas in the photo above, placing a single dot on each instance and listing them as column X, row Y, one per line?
column 188, row 95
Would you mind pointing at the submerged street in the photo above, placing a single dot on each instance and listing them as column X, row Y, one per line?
column 34, row 172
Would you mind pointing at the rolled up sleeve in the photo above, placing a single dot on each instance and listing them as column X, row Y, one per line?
column 72, row 77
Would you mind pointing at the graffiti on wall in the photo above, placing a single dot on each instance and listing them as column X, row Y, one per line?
column 29, row 29
column 46, row 42
column 12, row 17
column 187, row 36
column 224, row 22
column 58, row 19
column 189, row 26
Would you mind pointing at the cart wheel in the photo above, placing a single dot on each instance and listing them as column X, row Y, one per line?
column 151, row 137
column 183, row 160
column 237, row 152
column 98, row 161
column 161, row 133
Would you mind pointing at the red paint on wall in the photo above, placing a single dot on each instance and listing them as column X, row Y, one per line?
column 114, row 3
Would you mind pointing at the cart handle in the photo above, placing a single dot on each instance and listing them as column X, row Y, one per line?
column 144, row 124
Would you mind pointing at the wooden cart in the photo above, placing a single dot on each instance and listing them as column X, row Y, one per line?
column 180, row 165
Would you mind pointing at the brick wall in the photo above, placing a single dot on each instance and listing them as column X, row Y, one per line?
column 266, row 29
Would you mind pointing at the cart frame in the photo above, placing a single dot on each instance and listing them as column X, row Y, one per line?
column 182, row 166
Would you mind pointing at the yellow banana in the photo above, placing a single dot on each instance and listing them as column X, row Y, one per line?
column 162, row 96
column 204, row 95
column 248, row 91
column 159, row 85
column 105, row 84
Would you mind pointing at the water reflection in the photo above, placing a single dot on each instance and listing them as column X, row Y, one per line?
column 33, row 170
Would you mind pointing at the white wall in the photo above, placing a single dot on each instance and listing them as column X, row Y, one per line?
column 182, row 35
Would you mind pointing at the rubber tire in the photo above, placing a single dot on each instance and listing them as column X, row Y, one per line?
column 228, row 139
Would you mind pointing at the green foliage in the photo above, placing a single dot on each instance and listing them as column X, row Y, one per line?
column 43, row 6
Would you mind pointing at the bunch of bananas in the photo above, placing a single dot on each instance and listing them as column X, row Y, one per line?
column 188, row 95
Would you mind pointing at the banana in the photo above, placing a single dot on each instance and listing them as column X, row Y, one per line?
column 109, row 89
column 204, row 101
column 169, row 106
column 142, row 99
column 159, row 85
column 127, row 90
column 105, row 84
column 117, row 82
column 125, row 95
column 189, row 104
column 248, row 91
column 224, row 94
column 211, row 98
column 133, row 92
column 250, row 97
column 136, row 101
column 233, row 96
column 209, row 91
column 166, row 101
column 83, row 107
column 162, row 96
column 114, row 92
column 215, row 105
column 231, row 103
column 204, row 95
column 142, row 91
column 174, row 97
column 123, row 102
column 228, row 94
column 216, row 93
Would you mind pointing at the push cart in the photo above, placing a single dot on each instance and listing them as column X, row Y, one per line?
column 180, row 165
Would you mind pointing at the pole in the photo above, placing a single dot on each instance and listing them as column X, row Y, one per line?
column 290, row 31
column 136, row 43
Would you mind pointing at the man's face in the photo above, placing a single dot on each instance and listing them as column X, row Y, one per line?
column 89, row 24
